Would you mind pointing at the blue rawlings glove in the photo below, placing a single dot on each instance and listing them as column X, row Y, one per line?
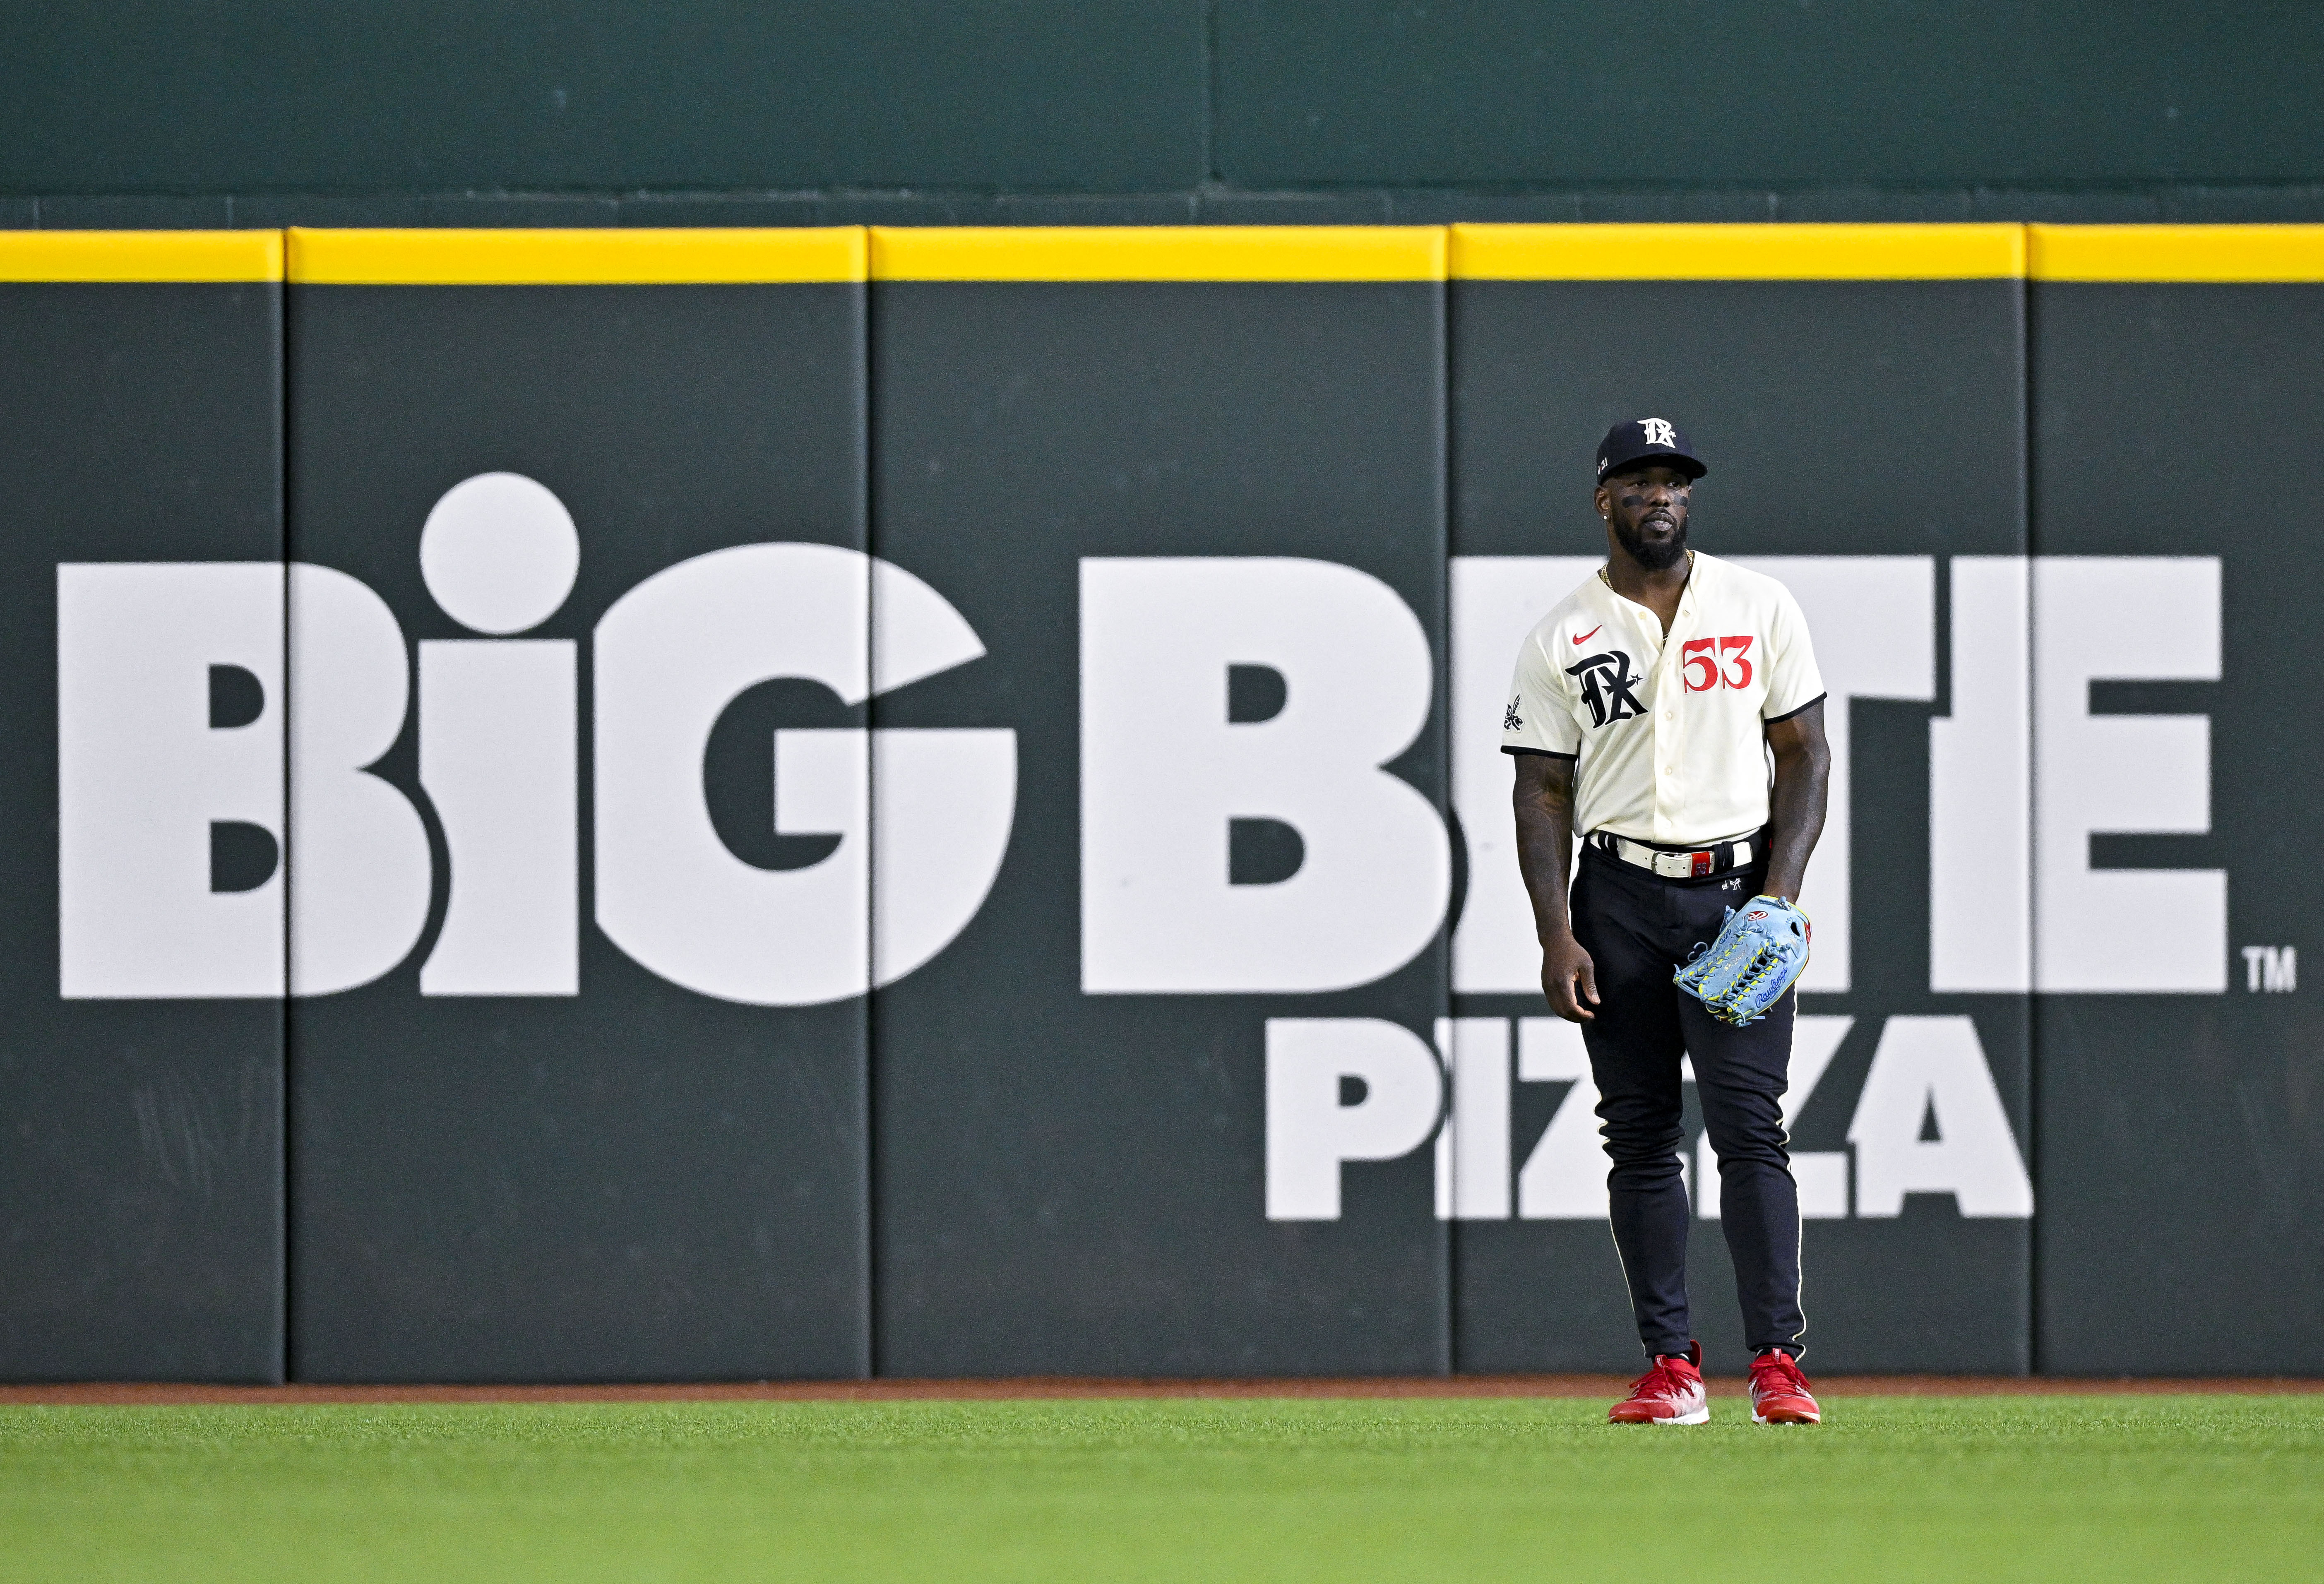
column 1746, row 970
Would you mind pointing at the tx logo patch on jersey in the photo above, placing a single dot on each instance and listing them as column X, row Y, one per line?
column 1606, row 682
column 1513, row 720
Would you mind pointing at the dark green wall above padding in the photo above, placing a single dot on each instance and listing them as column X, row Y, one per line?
column 1924, row 93
column 944, row 112
column 143, row 96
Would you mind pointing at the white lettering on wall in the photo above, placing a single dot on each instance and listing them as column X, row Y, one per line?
column 670, row 655
column 943, row 798
column 1165, row 773
column 499, row 759
column 1472, row 1147
column 2023, row 774
column 2117, row 931
column 2274, row 970
column 1564, row 1177
column 499, row 752
column 1495, row 602
column 142, row 776
column 1981, row 787
column 1820, row 1175
column 1312, row 1127
column 1929, row 1077
column 1872, row 619
column 359, row 866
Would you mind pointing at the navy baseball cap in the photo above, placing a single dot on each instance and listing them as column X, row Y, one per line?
column 1646, row 439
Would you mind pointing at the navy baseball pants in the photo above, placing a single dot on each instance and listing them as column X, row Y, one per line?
column 1638, row 927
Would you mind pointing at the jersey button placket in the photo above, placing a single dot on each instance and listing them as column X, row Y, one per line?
column 1669, row 745
column 1665, row 738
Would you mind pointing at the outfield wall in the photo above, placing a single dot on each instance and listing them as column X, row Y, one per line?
column 995, row 858
column 128, row 113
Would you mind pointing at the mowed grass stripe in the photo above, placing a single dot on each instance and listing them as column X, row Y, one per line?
column 1894, row 1488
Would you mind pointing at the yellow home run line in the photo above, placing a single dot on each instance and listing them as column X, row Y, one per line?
column 708, row 255
column 700, row 257
column 128, row 256
column 1158, row 252
column 2186, row 253
column 1737, row 252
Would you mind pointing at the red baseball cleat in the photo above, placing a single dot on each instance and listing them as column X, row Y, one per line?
column 1779, row 1392
column 1671, row 1392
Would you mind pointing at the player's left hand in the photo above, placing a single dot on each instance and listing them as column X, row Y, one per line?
column 1757, row 956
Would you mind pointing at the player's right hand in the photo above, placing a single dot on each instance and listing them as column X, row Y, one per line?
column 1568, row 978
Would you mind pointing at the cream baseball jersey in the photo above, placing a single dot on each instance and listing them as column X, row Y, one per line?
column 1668, row 732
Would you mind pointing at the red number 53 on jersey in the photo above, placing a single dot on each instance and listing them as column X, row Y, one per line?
column 1717, row 662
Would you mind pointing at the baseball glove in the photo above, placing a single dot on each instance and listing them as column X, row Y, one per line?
column 1746, row 970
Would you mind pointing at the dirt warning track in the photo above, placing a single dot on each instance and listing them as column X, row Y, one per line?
column 1023, row 1387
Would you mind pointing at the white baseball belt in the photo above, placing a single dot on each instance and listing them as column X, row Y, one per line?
column 1711, row 858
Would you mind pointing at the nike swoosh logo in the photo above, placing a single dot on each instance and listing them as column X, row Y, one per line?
column 1586, row 637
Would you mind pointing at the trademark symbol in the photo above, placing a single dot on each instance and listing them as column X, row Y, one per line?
column 2274, row 969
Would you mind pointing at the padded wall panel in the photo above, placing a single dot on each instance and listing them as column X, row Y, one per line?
column 2182, row 1157
column 141, row 1161
column 528, row 1144
column 1864, row 441
column 1072, row 1167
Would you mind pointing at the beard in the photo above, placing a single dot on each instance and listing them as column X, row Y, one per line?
column 1654, row 555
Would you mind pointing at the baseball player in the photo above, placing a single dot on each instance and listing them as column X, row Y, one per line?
column 1669, row 712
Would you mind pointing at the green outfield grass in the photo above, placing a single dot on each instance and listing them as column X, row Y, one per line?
column 2195, row 1487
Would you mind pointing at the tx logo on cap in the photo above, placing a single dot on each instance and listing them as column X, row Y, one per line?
column 1655, row 442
